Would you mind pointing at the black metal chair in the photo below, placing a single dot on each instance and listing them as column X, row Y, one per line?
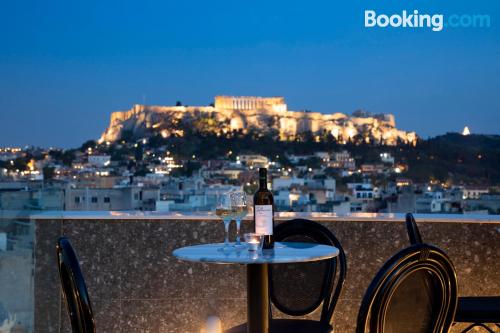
column 300, row 289
column 415, row 291
column 478, row 311
column 74, row 288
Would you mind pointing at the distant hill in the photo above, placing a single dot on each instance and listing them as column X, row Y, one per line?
column 472, row 159
column 264, row 125
column 264, row 115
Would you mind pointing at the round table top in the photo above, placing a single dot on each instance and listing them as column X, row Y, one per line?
column 282, row 253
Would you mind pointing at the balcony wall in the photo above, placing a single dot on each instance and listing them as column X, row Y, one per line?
column 136, row 285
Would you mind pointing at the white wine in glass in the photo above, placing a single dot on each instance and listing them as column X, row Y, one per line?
column 239, row 210
column 224, row 212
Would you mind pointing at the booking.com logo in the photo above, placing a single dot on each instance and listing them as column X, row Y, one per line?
column 436, row 22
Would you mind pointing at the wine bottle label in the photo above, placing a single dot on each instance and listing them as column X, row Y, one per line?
column 264, row 219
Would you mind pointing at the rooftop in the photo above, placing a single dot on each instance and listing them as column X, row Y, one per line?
column 135, row 283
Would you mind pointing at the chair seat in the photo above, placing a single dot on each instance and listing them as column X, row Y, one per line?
column 478, row 310
column 289, row 326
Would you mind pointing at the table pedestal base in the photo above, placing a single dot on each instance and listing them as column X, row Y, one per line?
column 257, row 298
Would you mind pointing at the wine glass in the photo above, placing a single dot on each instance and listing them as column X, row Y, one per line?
column 239, row 210
column 223, row 210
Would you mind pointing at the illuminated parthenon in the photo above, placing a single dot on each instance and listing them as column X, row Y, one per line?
column 273, row 104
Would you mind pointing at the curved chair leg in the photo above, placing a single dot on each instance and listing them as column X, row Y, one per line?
column 489, row 330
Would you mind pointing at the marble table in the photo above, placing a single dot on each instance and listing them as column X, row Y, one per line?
column 257, row 270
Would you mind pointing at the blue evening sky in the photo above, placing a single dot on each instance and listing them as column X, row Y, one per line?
column 66, row 65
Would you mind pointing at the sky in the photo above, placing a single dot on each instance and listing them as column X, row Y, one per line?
column 66, row 65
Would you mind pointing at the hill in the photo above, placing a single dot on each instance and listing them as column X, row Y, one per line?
column 451, row 158
column 263, row 115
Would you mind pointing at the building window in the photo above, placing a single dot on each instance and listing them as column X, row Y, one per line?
column 94, row 199
column 77, row 200
column 370, row 195
column 358, row 195
column 107, row 200
column 136, row 196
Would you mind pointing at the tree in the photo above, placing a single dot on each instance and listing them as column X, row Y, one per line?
column 68, row 157
column 48, row 173
column 138, row 153
column 141, row 171
column 156, row 141
column 127, row 135
column 312, row 162
column 88, row 144
column 187, row 170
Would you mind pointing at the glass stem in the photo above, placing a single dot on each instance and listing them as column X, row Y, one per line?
column 238, row 223
column 226, row 228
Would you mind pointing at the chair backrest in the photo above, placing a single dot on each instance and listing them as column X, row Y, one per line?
column 415, row 291
column 300, row 288
column 412, row 229
column 74, row 288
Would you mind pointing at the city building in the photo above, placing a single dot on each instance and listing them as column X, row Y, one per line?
column 387, row 158
column 430, row 202
column 99, row 161
column 32, row 199
column 342, row 160
column 286, row 182
column 254, row 160
column 474, row 192
column 108, row 199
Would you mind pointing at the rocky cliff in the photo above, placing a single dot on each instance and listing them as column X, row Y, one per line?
column 262, row 114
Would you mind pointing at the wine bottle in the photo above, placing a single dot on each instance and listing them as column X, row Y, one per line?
column 263, row 208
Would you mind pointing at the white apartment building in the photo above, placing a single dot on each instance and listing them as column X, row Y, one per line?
column 342, row 160
column 387, row 158
column 99, row 161
column 254, row 160
column 474, row 192
column 430, row 202
column 286, row 182
column 362, row 191
column 117, row 198
column 324, row 156
column 290, row 198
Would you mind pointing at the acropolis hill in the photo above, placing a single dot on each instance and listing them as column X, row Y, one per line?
column 230, row 113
